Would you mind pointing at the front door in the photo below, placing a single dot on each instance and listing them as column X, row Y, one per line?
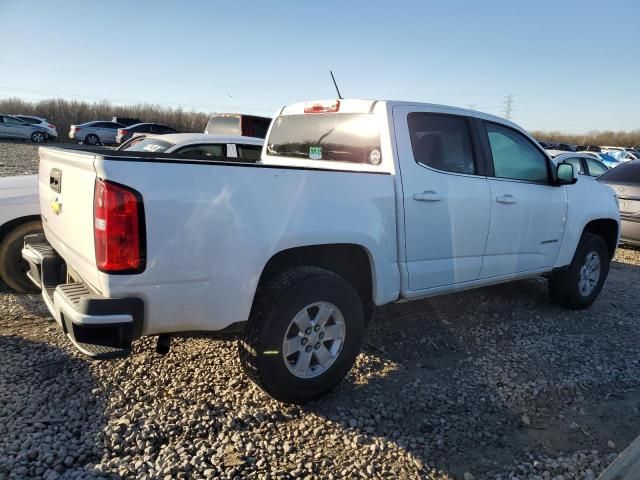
column 445, row 194
column 528, row 212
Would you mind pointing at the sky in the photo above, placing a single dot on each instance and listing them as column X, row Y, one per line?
column 571, row 66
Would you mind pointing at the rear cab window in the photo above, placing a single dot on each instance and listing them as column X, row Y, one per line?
column 347, row 138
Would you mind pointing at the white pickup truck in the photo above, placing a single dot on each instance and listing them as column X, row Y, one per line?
column 353, row 204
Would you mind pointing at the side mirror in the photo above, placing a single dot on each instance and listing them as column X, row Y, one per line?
column 565, row 174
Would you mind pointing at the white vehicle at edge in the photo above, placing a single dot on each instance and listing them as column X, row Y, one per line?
column 354, row 204
column 19, row 216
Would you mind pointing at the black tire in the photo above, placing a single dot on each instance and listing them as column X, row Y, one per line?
column 12, row 267
column 92, row 139
column 38, row 137
column 564, row 287
column 276, row 304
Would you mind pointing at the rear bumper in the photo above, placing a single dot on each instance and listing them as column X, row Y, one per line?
column 98, row 326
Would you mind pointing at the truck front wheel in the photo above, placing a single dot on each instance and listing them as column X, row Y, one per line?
column 577, row 286
column 305, row 331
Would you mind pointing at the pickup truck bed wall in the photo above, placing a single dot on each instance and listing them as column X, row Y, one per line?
column 223, row 209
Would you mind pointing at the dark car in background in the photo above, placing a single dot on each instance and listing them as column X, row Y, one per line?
column 126, row 133
column 625, row 181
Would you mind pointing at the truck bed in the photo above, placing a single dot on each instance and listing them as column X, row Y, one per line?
column 199, row 214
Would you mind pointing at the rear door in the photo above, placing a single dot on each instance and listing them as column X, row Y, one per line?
column 446, row 197
column 528, row 212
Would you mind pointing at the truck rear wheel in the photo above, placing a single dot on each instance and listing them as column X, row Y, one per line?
column 579, row 285
column 305, row 331
column 13, row 269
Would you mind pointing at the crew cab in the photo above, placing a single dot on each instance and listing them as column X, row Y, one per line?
column 353, row 204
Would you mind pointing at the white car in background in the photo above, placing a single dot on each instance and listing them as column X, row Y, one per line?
column 45, row 124
column 199, row 145
column 583, row 163
column 19, row 216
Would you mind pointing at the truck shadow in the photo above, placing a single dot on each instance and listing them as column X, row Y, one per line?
column 51, row 417
column 473, row 381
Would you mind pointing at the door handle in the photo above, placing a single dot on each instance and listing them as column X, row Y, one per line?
column 506, row 199
column 427, row 196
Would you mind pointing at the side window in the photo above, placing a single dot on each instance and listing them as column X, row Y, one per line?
column 13, row 121
column 260, row 128
column 596, row 168
column 442, row 142
column 210, row 150
column 514, row 156
column 249, row 152
column 577, row 164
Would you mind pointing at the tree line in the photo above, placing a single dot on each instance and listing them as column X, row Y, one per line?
column 64, row 113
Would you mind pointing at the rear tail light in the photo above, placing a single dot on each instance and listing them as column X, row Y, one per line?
column 74, row 128
column 119, row 231
column 322, row 107
column 51, row 126
column 123, row 132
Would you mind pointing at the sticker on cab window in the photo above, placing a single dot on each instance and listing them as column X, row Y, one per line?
column 152, row 148
column 315, row 153
column 375, row 157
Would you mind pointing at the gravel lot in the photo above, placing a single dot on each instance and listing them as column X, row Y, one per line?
column 494, row 383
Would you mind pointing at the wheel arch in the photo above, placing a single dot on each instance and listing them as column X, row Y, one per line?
column 606, row 228
column 353, row 262
column 14, row 223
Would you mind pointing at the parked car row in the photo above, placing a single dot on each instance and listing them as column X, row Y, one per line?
column 25, row 127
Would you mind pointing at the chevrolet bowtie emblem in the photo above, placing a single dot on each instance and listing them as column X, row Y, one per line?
column 56, row 205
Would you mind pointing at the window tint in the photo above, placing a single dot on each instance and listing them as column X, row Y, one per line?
column 260, row 128
column 30, row 120
column 13, row 121
column 577, row 164
column 624, row 173
column 338, row 137
column 442, row 142
column 514, row 156
column 163, row 130
column 596, row 168
column 249, row 152
column 205, row 150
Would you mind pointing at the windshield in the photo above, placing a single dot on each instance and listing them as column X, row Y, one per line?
column 340, row 137
column 147, row 144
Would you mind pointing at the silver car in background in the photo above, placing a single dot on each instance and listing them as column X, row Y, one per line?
column 96, row 132
column 13, row 127
column 45, row 124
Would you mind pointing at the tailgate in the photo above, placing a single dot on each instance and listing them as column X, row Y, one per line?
column 65, row 184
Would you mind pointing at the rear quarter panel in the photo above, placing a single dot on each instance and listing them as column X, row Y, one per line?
column 211, row 229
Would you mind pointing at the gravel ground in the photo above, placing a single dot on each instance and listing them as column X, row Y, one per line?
column 494, row 383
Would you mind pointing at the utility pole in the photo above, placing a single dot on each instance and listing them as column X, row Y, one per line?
column 508, row 106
